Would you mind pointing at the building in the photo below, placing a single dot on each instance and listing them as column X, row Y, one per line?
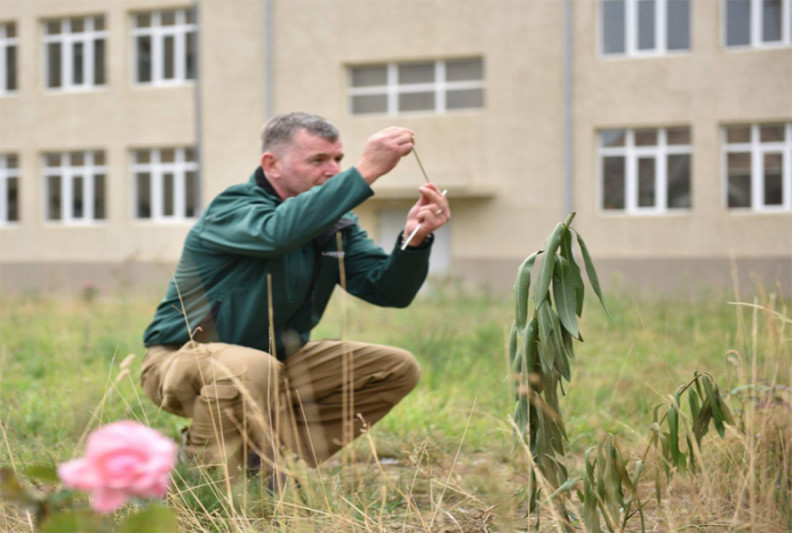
column 666, row 124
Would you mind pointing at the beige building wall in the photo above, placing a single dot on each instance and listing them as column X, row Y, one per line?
column 503, row 165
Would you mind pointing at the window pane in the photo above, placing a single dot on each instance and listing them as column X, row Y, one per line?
column 737, row 22
column 52, row 160
column 167, row 18
column 611, row 138
column 77, row 197
column 191, row 56
column 464, row 70
column 53, row 197
column 613, row 183
column 169, row 57
column 99, row 61
column 77, row 63
column 679, row 136
column 417, row 101
column 370, row 103
column 189, row 155
column 143, row 20
column 738, row 134
column 54, row 27
column 99, row 197
column 645, row 137
column 76, row 25
column 646, row 178
column 773, row 179
column 12, row 199
column 678, row 24
column 739, row 180
column 99, row 158
column 771, row 20
column 368, row 76
column 613, row 26
column 464, row 99
column 143, row 202
column 190, row 18
column 99, row 23
column 646, row 25
column 771, row 133
column 142, row 156
column 11, row 68
column 190, row 193
column 76, row 159
column 679, row 180
column 11, row 161
column 169, row 194
column 11, row 29
column 167, row 155
column 54, row 65
column 416, row 73
column 143, row 59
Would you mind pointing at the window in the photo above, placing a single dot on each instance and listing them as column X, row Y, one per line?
column 165, row 45
column 75, row 53
column 429, row 86
column 757, row 23
column 9, row 188
column 646, row 170
column 758, row 166
column 645, row 27
column 75, row 186
column 166, row 184
column 8, row 57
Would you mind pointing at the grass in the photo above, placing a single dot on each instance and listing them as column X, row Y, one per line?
column 442, row 460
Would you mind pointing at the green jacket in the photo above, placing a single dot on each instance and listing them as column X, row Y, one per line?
column 246, row 233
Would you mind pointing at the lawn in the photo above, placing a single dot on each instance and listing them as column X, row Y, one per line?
column 445, row 459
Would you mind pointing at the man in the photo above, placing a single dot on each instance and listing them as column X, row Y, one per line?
column 229, row 344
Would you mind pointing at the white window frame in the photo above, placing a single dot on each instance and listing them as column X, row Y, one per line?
column 631, row 27
column 757, row 150
column 7, row 174
column 631, row 153
column 5, row 43
column 67, row 40
column 756, row 34
column 393, row 89
column 68, row 173
column 156, row 169
column 157, row 34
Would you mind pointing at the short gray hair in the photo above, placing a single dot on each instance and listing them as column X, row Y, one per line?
column 281, row 129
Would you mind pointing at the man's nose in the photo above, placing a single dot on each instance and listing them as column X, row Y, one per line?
column 332, row 168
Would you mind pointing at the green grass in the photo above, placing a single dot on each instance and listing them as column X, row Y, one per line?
column 61, row 377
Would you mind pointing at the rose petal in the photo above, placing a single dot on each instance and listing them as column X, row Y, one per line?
column 108, row 500
column 79, row 474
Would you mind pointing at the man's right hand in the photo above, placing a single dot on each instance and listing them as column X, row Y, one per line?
column 382, row 152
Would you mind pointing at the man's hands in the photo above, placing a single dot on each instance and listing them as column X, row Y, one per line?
column 431, row 211
column 382, row 152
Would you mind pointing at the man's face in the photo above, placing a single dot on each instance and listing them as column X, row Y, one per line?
column 304, row 163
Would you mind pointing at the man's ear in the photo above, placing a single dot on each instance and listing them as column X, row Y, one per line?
column 271, row 165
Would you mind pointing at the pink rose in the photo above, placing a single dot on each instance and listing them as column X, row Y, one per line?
column 123, row 459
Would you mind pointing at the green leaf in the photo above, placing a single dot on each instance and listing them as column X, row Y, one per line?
column 542, row 285
column 590, row 271
column 672, row 419
column 156, row 517
column 712, row 393
column 80, row 520
column 564, row 296
column 45, row 473
column 573, row 269
column 522, row 287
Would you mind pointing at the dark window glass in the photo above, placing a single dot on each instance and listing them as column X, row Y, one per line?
column 143, row 201
column 53, row 27
column 143, row 20
column 54, row 65
column 678, row 24
column 143, row 59
column 77, row 197
column 191, row 56
column 99, row 197
column 679, row 136
column 464, row 70
column 611, row 138
column 613, row 183
column 99, row 23
column 771, row 133
column 646, row 36
column 646, row 179
column 613, row 26
column 645, row 137
column 772, row 20
column 417, row 101
column 738, row 134
column 773, row 179
column 169, row 57
column 169, row 194
column 191, row 191
column 679, row 181
column 167, row 155
column 77, row 64
column 99, row 61
column 737, row 22
column 464, row 99
column 12, row 199
column 11, row 68
column 168, row 18
column 416, row 73
column 370, row 103
column 76, row 159
column 370, row 76
column 53, row 197
column 76, row 25
column 739, row 176
column 142, row 156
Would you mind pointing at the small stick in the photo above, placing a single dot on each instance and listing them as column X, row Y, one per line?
column 413, row 149
column 413, row 233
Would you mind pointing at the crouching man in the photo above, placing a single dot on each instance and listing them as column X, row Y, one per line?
column 229, row 344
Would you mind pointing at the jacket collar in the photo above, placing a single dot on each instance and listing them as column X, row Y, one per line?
column 263, row 182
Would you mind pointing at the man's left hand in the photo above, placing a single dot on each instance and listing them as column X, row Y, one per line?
column 431, row 210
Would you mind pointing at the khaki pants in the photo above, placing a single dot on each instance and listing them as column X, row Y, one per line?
column 239, row 398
